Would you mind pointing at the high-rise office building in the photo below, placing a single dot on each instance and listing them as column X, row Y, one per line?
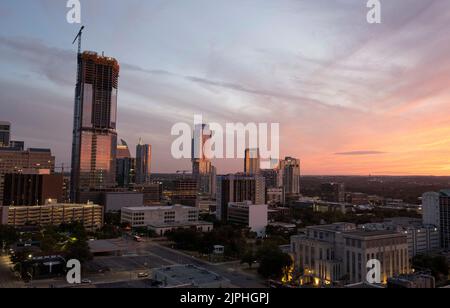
column 436, row 212
column 238, row 188
column 289, row 174
column 202, row 169
column 123, row 151
column 201, row 164
column 94, row 134
column 125, row 166
column 252, row 162
column 143, row 163
column 5, row 133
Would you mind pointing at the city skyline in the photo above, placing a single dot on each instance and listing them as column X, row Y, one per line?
column 348, row 103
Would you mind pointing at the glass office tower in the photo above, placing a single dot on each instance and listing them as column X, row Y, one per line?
column 143, row 163
column 5, row 131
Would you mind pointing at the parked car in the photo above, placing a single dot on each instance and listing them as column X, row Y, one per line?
column 143, row 275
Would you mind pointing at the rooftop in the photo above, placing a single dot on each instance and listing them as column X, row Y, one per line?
column 181, row 224
column 445, row 192
column 364, row 233
column 185, row 275
column 157, row 208
column 336, row 227
column 65, row 205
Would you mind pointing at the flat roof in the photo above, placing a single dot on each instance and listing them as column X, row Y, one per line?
column 368, row 233
column 337, row 227
column 181, row 224
column 155, row 208
column 181, row 275
column 65, row 205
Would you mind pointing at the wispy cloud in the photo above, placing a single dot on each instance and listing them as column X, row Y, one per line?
column 360, row 153
column 332, row 81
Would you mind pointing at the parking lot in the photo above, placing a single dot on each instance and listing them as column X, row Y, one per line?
column 126, row 263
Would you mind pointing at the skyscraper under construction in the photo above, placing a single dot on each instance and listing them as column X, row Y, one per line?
column 94, row 135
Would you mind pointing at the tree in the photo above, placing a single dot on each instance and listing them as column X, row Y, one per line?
column 108, row 231
column 249, row 258
column 273, row 262
column 113, row 219
column 8, row 235
column 185, row 239
column 78, row 249
column 438, row 265
column 50, row 239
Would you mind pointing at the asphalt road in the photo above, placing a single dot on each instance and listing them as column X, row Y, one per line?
column 124, row 270
column 230, row 271
column 7, row 278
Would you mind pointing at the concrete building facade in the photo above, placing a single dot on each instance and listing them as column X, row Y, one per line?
column 162, row 219
column 253, row 216
column 340, row 253
column 42, row 215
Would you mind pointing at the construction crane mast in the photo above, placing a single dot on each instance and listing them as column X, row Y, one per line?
column 80, row 33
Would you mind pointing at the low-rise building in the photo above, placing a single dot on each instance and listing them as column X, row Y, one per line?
column 253, row 216
column 205, row 204
column 115, row 201
column 162, row 219
column 421, row 238
column 412, row 281
column 340, row 253
column 275, row 196
column 33, row 188
column 326, row 207
column 54, row 214
column 189, row 276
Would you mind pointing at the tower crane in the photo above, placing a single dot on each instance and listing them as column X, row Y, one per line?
column 79, row 35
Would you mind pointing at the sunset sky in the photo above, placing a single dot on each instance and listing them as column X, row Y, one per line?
column 350, row 97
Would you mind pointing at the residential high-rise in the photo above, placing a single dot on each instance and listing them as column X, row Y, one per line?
column 252, row 162
column 436, row 212
column 94, row 133
column 143, row 163
column 238, row 188
column 289, row 173
column 5, row 133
